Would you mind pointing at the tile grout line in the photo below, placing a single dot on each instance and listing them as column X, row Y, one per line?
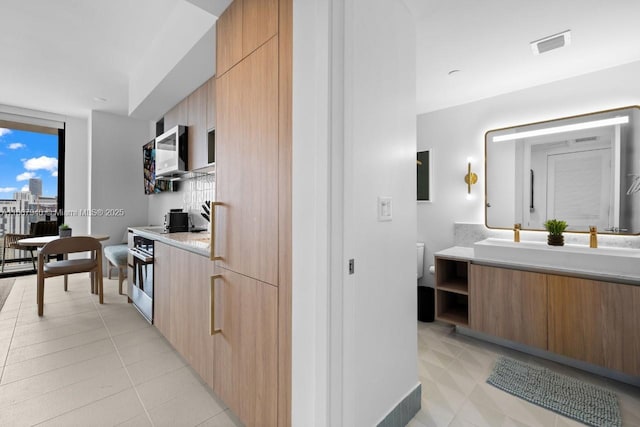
column 135, row 389
column 6, row 356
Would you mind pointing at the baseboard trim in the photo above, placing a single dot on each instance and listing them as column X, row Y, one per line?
column 405, row 410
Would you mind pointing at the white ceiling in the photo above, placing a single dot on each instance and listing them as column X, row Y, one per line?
column 489, row 42
column 58, row 55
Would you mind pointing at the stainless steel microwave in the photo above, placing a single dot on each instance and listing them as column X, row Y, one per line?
column 171, row 152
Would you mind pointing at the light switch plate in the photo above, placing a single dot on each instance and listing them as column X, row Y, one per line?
column 384, row 209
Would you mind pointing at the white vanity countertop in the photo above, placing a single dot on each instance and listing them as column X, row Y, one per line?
column 457, row 252
column 468, row 254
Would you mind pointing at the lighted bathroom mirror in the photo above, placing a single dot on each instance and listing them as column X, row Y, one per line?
column 582, row 169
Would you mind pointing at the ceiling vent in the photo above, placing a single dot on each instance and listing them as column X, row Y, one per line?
column 555, row 41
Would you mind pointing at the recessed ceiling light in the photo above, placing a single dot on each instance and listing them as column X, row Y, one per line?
column 553, row 42
column 99, row 99
column 452, row 72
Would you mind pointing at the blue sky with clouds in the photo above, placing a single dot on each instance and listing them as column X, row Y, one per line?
column 25, row 155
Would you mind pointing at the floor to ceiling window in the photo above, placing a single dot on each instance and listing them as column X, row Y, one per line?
column 31, row 190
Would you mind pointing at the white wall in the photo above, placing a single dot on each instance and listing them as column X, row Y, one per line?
column 76, row 173
column 311, row 231
column 116, row 173
column 458, row 132
column 354, row 343
column 380, row 327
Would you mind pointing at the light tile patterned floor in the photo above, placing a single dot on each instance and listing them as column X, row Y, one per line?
column 86, row 364
column 453, row 370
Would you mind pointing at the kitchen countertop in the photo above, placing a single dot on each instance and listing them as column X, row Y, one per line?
column 197, row 243
column 463, row 253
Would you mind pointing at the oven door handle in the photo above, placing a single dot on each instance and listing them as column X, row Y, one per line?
column 144, row 258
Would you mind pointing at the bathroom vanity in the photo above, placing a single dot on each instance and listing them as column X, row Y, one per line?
column 566, row 314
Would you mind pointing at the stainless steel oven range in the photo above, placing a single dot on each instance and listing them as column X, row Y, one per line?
column 140, row 284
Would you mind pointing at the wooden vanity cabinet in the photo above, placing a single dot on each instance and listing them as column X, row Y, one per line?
column 588, row 320
column 597, row 322
column 452, row 290
column 509, row 304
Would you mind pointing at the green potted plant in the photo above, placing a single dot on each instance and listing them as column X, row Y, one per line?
column 555, row 227
column 64, row 230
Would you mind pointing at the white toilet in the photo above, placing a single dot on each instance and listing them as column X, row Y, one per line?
column 420, row 251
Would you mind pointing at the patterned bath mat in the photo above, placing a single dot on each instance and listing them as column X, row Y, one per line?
column 567, row 396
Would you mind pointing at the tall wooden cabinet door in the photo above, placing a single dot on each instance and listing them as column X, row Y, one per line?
column 246, row 226
column 596, row 322
column 197, row 122
column 509, row 304
column 246, row 348
column 200, row 341
column 211, row 103
column 162, row 288
column 229, row 37
column 259, row 23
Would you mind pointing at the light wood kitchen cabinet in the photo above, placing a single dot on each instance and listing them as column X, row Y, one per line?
column 182, row 309
column 162, row 283
column 246, row 348
column 259, row 23
column 509, row 304
column 197, row 123
column 243, row 27
column 178, row 115
column 229, row 37
column 191, row 311
column 596, row 322
column 246, row 225
column 252, row 228
column 211, row 103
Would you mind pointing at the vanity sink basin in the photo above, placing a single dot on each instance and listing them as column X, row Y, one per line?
column 624, row 262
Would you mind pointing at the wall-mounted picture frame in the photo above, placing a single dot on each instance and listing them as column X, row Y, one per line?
column 424, row 162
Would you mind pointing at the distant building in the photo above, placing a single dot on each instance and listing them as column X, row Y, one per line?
column 35, row 187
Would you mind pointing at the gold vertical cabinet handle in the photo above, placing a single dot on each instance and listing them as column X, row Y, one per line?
column 212, row 302
column 212, row 212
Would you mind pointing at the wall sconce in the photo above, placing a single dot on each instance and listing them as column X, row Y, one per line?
column 470, row 178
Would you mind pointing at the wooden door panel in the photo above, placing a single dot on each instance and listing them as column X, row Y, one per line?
column 510, row 304
column 245, row 359
column 596, row 322
column 259, row 23
column 197, row 122
column 162, row 289
column 229, row 37
column 246, row 229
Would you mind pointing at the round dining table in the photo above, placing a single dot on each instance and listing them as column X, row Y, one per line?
column 43, row 240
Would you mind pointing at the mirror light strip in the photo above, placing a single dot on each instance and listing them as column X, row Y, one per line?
column 565, row 128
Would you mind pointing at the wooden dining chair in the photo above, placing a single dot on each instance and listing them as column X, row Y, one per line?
column 65, row 246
